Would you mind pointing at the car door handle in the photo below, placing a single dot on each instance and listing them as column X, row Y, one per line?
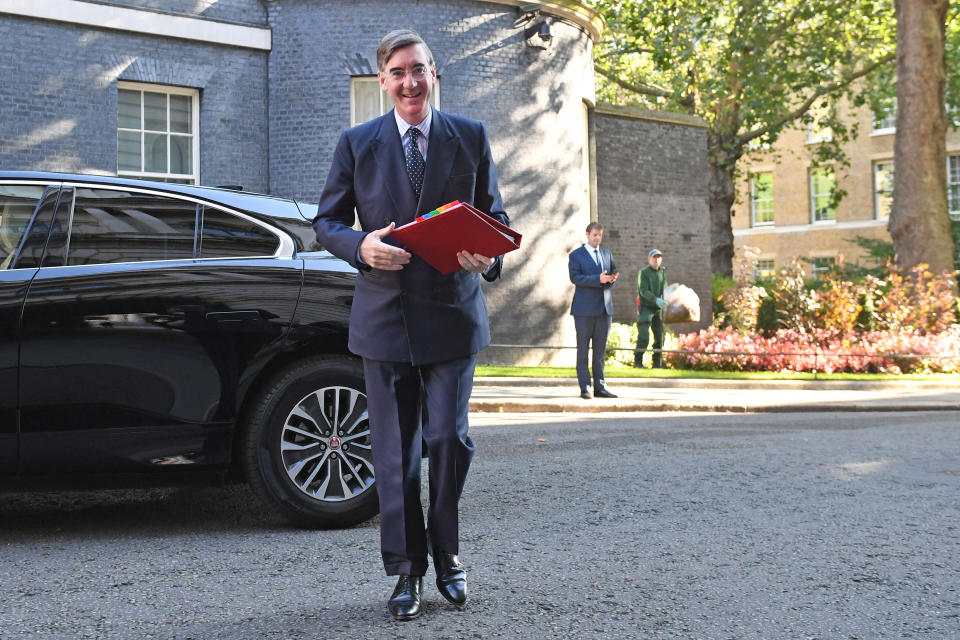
column 233, row 316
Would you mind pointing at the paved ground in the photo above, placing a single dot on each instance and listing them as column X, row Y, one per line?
column 736, row 396
column 767, row 526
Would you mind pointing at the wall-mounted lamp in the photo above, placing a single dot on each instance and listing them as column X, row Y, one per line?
column 536, row 29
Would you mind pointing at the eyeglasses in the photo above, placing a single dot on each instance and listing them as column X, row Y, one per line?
column 417, row 74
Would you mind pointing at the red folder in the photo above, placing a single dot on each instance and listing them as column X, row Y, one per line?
column 439, row 235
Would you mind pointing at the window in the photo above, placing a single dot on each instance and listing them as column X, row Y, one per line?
column 120, row 226
column 17, row 204
column 885, row 121
column 882, row 189
column 761, row 198
column 822, row 267
column 156, row 133
column 369, row 101
column 822, row 183
column 764, row 270
column 228, row 236
column 953, row 185
column 817, row 130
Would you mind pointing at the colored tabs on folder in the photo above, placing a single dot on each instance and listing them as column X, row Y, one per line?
column 438, row 211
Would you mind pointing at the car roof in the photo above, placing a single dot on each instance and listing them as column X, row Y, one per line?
column 257, row 203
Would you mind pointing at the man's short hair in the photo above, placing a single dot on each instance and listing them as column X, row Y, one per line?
column 594, row 225
column 398, row 39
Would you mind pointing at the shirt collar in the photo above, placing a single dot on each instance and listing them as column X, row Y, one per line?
column 424, row 126
column 590, row 249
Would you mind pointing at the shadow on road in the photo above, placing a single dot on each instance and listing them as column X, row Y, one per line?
column 136, row 513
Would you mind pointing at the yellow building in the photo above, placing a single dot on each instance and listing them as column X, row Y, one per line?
column 784, row 205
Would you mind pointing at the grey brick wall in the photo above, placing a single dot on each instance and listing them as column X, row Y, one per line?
column 243, row 11
column 58, row 98
column 529, row 99
column 652, row 193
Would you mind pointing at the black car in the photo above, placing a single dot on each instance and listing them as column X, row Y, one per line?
column 155, row 333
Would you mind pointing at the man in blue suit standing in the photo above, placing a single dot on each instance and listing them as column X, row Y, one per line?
column 593, row 271
column 417, row 330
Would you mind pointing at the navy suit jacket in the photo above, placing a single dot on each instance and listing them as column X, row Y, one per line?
column 591, row 297
column 416, row 314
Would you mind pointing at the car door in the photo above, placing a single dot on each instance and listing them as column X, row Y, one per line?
column 133, row 344
column 25, row 213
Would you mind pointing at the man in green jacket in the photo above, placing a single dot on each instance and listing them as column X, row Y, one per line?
column 651, row 281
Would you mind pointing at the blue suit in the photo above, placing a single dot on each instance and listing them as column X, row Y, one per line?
column 592, row 311
column 417, row 330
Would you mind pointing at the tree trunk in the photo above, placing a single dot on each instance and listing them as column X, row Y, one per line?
column 721, row 233
column 919, row 222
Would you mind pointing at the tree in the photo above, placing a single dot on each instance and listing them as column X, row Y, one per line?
column 919, row 222
column 749, row 68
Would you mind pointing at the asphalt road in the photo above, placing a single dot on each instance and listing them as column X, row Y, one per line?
column 573, row 526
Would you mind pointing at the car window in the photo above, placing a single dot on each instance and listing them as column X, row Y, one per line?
column 229, row 236
column 17, row 204
column 123, row 226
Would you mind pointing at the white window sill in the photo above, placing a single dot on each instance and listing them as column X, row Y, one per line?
column 883, row 132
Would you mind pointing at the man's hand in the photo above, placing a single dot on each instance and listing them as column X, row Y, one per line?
column 474, row 261
column 609, row 277
column 379, row 254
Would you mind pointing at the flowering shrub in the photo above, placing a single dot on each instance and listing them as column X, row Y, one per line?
column 819, row 350
column 625, row 335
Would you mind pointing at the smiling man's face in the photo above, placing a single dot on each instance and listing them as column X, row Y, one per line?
column 409, row 77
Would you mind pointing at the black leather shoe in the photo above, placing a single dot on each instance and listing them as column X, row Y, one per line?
column 404, row 604
column 451, row 577
column 585, row 394
column 603, row 393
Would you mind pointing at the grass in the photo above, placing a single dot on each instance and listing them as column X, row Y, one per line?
column 631, row 372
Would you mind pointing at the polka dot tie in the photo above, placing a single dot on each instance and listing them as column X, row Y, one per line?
column 415, row 163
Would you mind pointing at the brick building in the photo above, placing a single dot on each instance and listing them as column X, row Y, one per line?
column 783, row 203
column 256, row 92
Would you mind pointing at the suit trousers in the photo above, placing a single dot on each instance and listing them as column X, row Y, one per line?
column 643, row 339
column 411, row 406
column 591, row 329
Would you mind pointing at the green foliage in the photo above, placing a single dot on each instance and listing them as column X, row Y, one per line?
column 749, row 68
column 880, row 253
column 622, row 336
column 719, row 285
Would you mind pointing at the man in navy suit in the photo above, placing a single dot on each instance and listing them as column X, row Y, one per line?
column 417, row 330
column 593, row 271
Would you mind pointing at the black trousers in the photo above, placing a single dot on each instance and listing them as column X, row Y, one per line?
column 409, row 405
column 591, row 329
column 643, row 339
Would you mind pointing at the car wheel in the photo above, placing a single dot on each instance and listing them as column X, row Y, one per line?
column 307, row 444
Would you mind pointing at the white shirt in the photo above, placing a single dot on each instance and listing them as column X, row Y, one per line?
column 403, row 126
column 593, row 255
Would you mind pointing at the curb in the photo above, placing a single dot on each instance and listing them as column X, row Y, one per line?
column 537, row 406
column 701, row 383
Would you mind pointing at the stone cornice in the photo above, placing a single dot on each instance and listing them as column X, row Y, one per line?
column 576, row 11
column 646, row 114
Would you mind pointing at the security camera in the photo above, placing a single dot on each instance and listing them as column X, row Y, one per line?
column 545, row 34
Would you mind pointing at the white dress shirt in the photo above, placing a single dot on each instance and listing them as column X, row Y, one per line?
column 424, row 128
column 593, row 255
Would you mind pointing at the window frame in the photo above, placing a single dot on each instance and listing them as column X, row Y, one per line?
column 876, row 191
column 885, row 130
column 816, row 270
column 386, row 103
column 753, row 201
column 760, row 273
column 286, row 248
column 813, row 195
column 194, row 95
column 953, row 213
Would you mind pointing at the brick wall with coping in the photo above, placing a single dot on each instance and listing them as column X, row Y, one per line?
column 652, row 194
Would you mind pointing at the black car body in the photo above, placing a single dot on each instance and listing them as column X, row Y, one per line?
column 164, row 333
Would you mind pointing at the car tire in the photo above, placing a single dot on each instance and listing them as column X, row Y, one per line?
column 306, row 444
